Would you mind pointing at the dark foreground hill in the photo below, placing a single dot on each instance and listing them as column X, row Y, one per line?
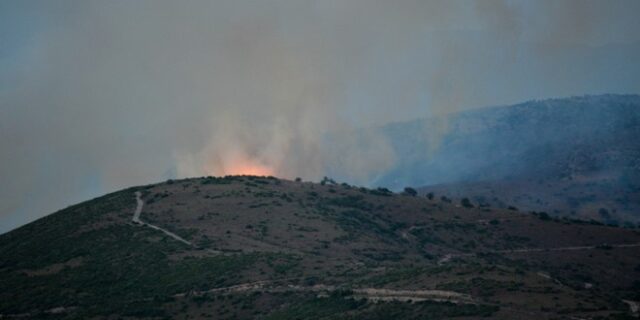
column 576, row 157
column 249, row 247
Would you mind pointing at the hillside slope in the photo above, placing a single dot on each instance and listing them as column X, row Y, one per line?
column 573, row 155
column 251, row 247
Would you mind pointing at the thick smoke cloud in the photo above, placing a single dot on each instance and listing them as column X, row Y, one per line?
column 100, row 95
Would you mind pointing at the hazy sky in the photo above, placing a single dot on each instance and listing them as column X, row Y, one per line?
column 100, row 95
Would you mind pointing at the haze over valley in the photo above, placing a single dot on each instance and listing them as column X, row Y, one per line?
column 335, row 159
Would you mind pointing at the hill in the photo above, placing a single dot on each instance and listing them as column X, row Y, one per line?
column 568, row 157
column 261, row 247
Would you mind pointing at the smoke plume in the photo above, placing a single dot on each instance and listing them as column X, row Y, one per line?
column 100, row 95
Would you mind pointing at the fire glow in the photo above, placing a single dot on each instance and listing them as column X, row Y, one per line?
column 247, row 167
column 237, row 162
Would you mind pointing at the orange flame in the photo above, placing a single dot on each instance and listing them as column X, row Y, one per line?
column 238, row 163
column 248, row 167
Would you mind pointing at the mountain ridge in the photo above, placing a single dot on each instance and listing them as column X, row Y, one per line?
column 268, row 248
column 579, row 146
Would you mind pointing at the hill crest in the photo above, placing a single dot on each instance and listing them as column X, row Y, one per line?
column 282, row 249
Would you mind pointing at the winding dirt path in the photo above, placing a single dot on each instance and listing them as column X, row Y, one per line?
column 136, row 220
column 634, row 307
column 374, row 294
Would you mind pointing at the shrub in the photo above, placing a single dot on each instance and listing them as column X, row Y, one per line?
column 604, row 213
column 465, row 202
column 381, row 192
column 327, row 180
column 410, row 191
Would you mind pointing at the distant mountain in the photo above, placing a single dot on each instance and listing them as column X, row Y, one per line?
column 262, row 248
column 572, row 156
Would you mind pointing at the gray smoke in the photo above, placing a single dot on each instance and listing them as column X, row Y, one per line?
column 100, row 95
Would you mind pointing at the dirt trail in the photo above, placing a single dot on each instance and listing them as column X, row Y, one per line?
column 375, row 294
column 139, row 204
column 412, row 295
column 136, row 219
column 634, row 307
column 624, row 245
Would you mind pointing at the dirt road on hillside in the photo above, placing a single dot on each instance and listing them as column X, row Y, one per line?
column 136, row 220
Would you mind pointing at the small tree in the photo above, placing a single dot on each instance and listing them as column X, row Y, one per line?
column 465, row 202
column 327, row 180
column 410, row 191
column 544, row 216
column 604, row 213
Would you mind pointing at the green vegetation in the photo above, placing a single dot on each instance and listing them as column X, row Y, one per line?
column 396, row 275
column 423, row 310
column 544, row 216
column 318, row 308
column 481, row 287
column 121, row 268
column 351, row 201
column 380, row 192
column 280, row 238
column 356, row 221
column 339, row 306
column 410, row 191
column 465, row 202
column 130, row 267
